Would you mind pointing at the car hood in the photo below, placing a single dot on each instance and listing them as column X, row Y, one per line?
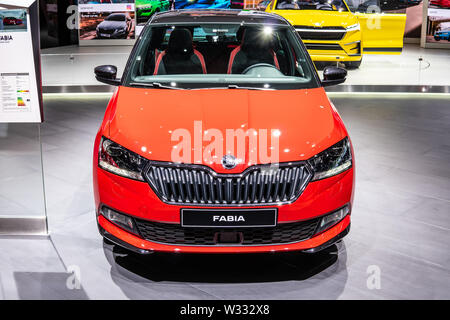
column 318, row 18
column 143, row 120
column 108, row 25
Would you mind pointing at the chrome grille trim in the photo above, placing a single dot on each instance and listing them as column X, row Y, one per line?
column 188, row 184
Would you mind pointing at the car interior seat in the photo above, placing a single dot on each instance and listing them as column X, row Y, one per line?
column 180, row 57
column 256, row 47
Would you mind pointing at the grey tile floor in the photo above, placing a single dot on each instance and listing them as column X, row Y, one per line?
column 401, row 218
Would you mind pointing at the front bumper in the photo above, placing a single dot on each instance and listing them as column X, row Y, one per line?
column 349, row 48
column 138, row 200
column 136, row 244
column 118, row 34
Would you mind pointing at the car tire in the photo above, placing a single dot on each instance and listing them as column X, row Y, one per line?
column 437, row 38
column 353, row 64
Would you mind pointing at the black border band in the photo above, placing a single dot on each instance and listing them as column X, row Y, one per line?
column 381, row 49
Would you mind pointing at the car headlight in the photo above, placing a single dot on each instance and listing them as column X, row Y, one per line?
column 116, row 159
column 332, row 161
column 333, row 218
column 353, row 27
column 123, row 221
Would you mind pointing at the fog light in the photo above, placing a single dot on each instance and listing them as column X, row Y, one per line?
column 121, row 220
column 333, row 218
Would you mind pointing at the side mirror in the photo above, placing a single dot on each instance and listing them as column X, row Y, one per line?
column 107, row 74
column 333, row 75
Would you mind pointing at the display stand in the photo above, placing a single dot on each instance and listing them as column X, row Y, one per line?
column 22, row 193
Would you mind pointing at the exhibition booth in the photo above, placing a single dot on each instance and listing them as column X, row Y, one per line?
column 93, row 204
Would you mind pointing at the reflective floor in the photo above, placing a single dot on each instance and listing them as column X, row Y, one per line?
column 74, row 65
column 400, row 228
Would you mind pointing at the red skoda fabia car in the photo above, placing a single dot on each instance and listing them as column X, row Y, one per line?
column 220, row 138
column 12, row 21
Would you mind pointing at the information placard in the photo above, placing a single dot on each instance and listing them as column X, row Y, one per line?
column 20, row 76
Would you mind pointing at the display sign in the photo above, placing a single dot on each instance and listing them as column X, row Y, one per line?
column 203, row 4
column 436, row 24
column 113, row 21
column 145, row 9
column 20, row 75
column 213, row 4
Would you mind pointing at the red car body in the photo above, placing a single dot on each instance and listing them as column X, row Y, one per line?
column 441, row 3
column 142, row 119
column 12, row 21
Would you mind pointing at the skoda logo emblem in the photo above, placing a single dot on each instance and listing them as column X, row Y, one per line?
column 229, row 161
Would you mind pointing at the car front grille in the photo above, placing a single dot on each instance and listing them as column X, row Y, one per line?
column 200, row 185
column 320, row 33
column 176, row 235
column 323, row 46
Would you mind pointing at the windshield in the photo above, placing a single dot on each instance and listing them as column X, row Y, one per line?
column 327, row 5
column 116, row 17
column 189, row 56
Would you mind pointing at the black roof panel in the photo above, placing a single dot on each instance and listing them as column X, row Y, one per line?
column 217, row 16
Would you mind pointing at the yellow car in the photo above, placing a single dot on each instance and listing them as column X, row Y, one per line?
column 331, row 32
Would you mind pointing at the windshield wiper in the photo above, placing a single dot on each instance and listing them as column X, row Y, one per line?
column 161, row 86
column 155, row 85
column 235, row 86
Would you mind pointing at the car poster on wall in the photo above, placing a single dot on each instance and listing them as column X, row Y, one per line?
column 112, row 20
column 438, row 23
column 145, row 9
column 20, row 76
column 209, row 4
column 202, row 4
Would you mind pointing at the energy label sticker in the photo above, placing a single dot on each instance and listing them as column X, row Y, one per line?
column 15, row 92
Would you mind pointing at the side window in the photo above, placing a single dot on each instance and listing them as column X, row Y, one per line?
column 300, row 69
column 158, row 43
column 284, row 55
column 379, row 6
column 364, row 6
column 338, row 4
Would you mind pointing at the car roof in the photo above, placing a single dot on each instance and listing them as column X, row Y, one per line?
column 217, row 16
